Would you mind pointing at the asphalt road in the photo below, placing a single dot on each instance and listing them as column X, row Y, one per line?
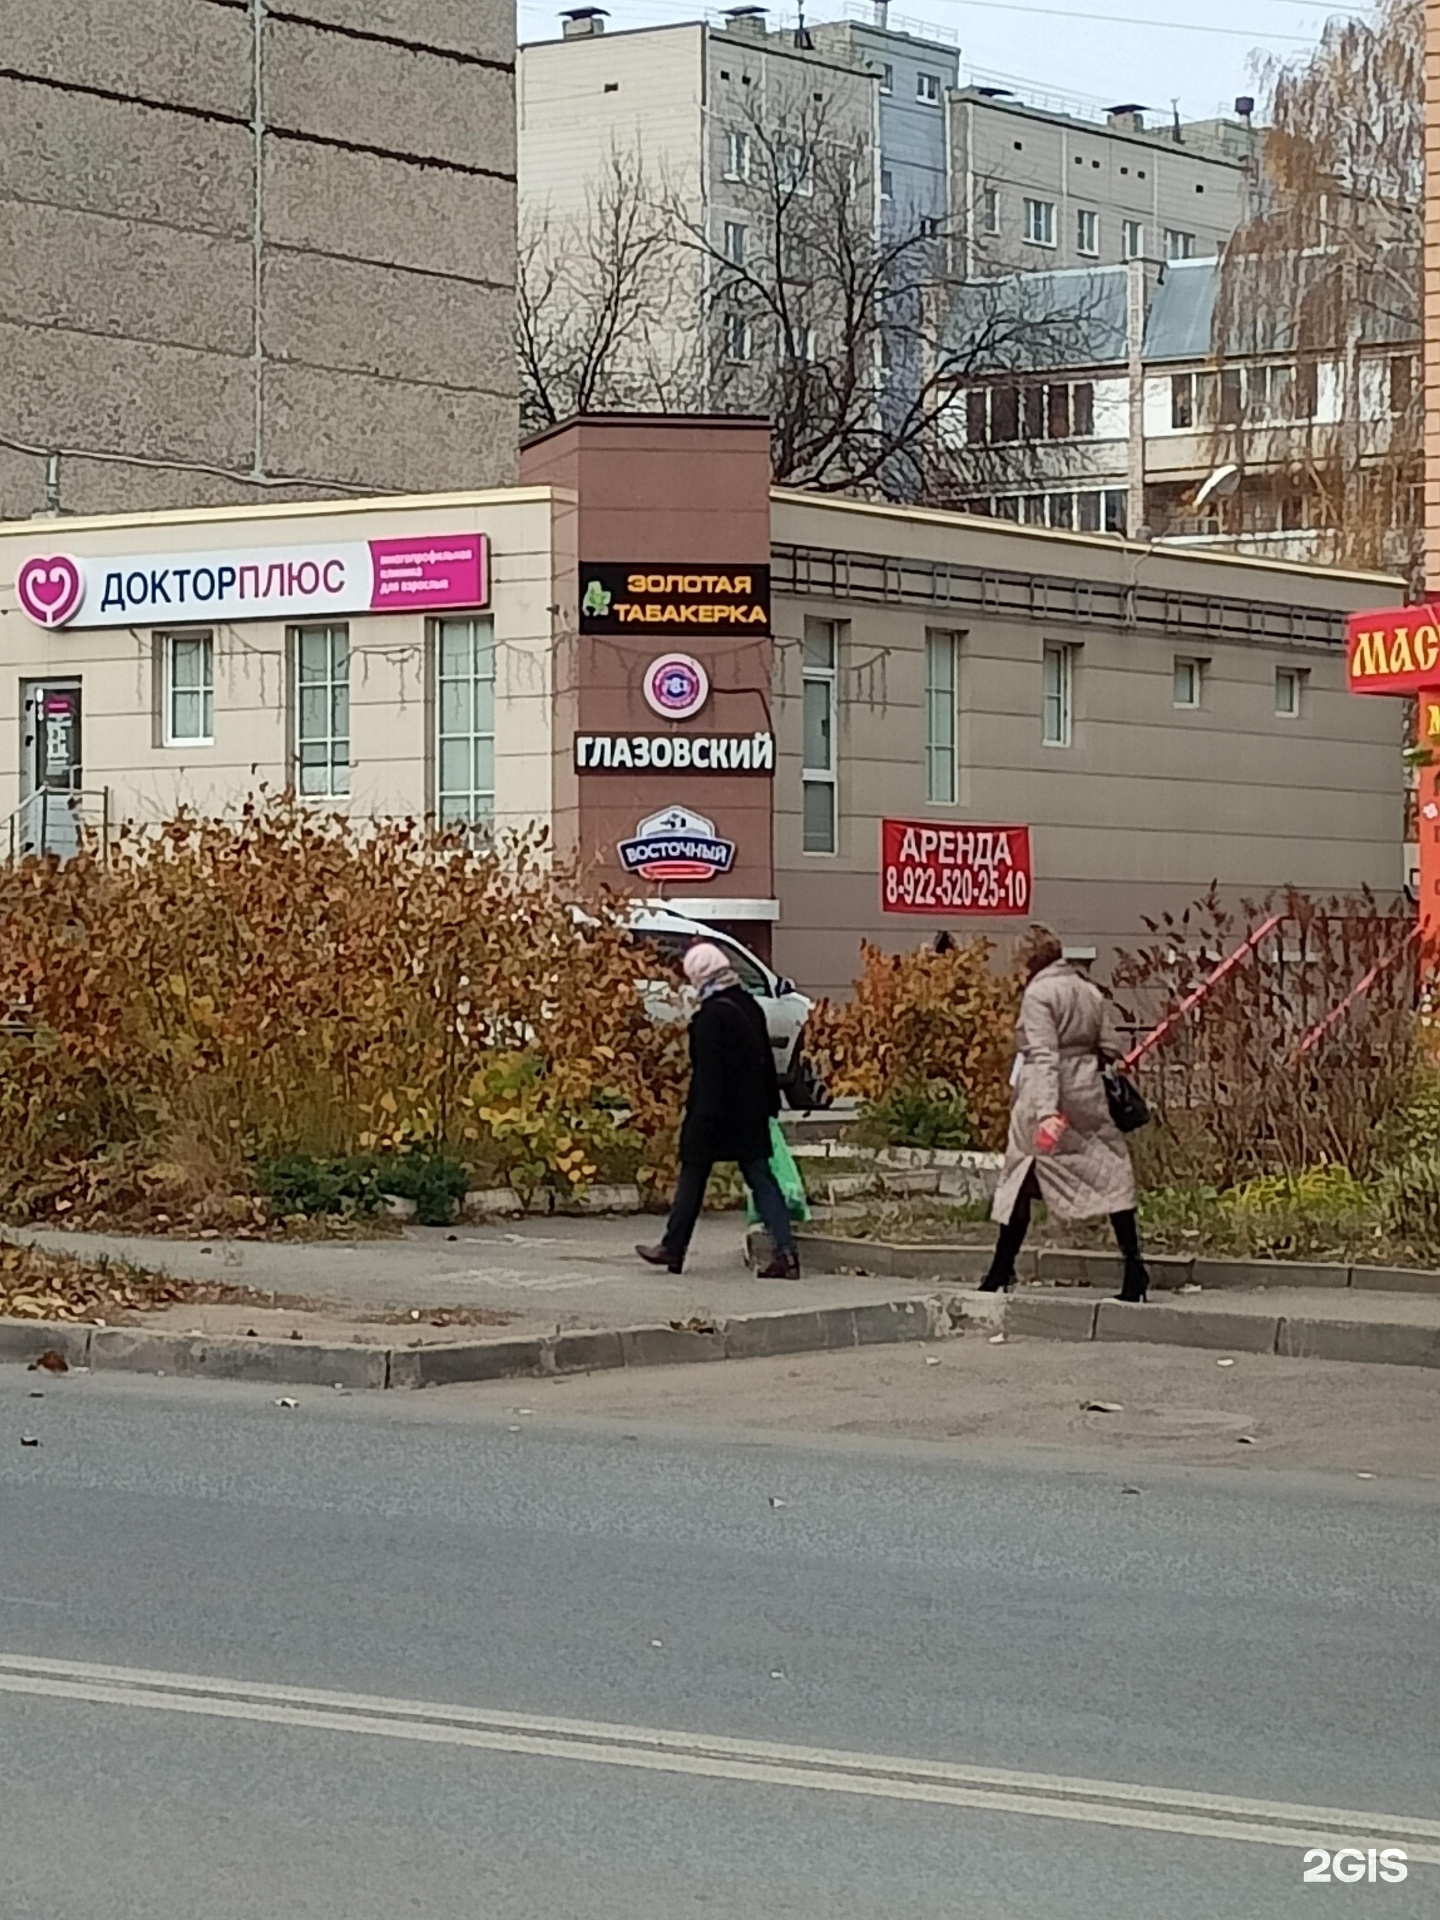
column 411, row 1655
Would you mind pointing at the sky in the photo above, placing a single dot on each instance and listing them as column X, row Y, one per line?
column 1096, row 52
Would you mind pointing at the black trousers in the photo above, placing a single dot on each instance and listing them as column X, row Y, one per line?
column 690, row 1198
column 1012, row 1234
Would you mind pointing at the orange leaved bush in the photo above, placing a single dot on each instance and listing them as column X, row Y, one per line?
column 919, row 1018
column 217, row 991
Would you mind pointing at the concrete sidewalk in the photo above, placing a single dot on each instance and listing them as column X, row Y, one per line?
column 562, row 1295
column 539, row 1274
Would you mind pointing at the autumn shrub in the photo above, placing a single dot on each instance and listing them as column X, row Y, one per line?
column 921, row 1017
column 218, row 993
column 934, row 1115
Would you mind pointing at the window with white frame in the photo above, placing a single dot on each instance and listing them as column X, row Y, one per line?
column 990, row 210
column 1132, row 238
column 797, row 171
column 737, row 154
column 321, row 668
column 942, row 679
column 1057, row 721
column 1290, row 692
column 735, row 236
column 802, row 345
column 1087, row 231
column 821, row 664
column 1179, row 245
column 887, row 184
column 188, row 664
column 465, row 721
column 1040, row 223
column 1086, row 509
column 1188, row 689
column 739, row 337
column 927, row 88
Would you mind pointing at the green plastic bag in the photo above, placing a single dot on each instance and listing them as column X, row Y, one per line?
column 787, row 1176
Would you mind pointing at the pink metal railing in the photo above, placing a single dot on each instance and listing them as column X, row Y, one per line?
column 1192, row 1000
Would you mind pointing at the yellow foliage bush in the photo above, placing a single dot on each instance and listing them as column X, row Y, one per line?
column 922, row 1017
column 286, row 982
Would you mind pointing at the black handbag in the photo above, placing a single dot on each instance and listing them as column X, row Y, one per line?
column 1124, row 1099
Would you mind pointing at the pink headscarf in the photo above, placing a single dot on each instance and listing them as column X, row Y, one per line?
column 704, row 962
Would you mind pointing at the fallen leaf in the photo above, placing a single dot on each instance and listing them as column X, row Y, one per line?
column 1364, row 1476
column 285, row 1401
column 50, row 1361
column 1224, row 1363
column 1130, row 1489
column 28, row 1440
column 1102, row 1406
column 657, row 1643
column 1245, row 1440
column 932, row 1359
column 776, row 1501
column 1191, row 1286
column 997, row 1340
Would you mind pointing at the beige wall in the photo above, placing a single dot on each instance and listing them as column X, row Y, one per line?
column 1148, row 804
column 182, row 321
column 392, row 718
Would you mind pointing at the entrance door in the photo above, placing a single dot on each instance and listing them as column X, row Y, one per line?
column 51, row 767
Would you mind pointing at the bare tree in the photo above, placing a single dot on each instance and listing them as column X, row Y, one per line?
column 605, row 320
column 1326, row 278
column 852, row 335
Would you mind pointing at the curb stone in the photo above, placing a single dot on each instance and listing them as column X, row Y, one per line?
column 1030, row 1313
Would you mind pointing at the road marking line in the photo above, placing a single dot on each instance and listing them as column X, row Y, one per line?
column 816, row 1769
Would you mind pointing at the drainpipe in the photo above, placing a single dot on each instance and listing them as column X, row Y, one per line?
column 1135, row 368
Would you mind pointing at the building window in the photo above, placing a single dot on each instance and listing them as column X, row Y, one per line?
column 822, row 643
column 797, row 171
column 735, row 242
column 737, row 155
column 887, row 78
column 942, row 662
column 802, row 345
column 990, row 210
column 1290, row 691
column 1040, row 222
column 1402, row 381
column 1189, row 683
column 1057, row 724
column 1182, row 401
column 465, row 721
column 927, row 88
column 739, row 339
column 887, row 184
column 189, row 667
column 1087, row 232
column 1178, row 245
column 1054, row 410
column 1132, row 239
column 929, row 226
column 322, row 709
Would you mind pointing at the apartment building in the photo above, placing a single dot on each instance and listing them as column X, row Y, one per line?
column 248, row 251
column 1227, row 448
column 695, row 115
column 1038, row 190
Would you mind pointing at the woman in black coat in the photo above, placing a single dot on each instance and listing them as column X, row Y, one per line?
column 734, row 1095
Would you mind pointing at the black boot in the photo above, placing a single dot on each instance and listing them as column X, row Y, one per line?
column 1136, row 1283
column 997, row 1282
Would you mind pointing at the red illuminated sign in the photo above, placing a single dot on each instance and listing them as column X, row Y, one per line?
column 1394, row 651
column 931, row 868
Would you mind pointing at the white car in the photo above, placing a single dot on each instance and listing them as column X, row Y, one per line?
column 786, row 1009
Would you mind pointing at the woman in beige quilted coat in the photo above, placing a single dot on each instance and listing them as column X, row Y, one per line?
column 1063, row 1147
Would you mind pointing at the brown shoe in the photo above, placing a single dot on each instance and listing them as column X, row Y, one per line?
column 783, row 1266
column 660, row 1256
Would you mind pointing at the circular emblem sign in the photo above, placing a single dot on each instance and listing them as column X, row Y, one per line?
column 50, row 588
column 676, row 686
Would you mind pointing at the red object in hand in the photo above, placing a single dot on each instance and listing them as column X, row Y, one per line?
column 1047, row 1134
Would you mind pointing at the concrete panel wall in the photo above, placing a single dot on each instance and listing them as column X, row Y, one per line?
column 132, row 226
column 179, row 51
column 373, row 94
column 360, row 207
column 484, row 29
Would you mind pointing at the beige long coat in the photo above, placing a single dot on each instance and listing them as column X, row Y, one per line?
column 1065, row 1026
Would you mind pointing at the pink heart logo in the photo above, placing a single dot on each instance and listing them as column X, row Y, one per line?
column 50, row 588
